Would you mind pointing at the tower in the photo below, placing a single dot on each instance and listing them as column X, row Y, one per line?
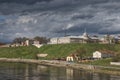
column 85, row 35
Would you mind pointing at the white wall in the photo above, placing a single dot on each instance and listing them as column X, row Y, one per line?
column 97, row 54
column 60, row 40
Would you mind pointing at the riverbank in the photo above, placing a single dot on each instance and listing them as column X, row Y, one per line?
column 56, row 63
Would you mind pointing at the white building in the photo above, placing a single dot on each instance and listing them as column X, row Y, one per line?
column 37, row 44
column 67, row 39
column 71, row 39
column 103, row 54
column 27, row 42
column 69, row 58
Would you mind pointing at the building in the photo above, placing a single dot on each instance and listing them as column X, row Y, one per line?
column 103, row 54
column 70, row 58
column 37, row 43
column 71, row 39
column 108, row 39
column 67, row 39
column 85, row 38
column 27, row 42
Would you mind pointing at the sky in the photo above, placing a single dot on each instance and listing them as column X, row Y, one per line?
column 51, row 18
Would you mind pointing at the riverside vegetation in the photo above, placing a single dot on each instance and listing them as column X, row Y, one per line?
column 58, row 51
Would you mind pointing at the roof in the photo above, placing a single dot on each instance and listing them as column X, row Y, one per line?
column 95, row 38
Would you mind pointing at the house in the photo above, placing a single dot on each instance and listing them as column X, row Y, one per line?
column 27, row 42
column 103, row 54
column 108, row 39
column 117, row 39
column 94, row 39
column 69, row 59
column 72, row 57
column 37, row 44
column 15, row 45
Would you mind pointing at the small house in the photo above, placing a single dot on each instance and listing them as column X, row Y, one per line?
column 103, row 54
column 69, row 58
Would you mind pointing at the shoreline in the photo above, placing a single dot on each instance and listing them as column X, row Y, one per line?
column 92, row 68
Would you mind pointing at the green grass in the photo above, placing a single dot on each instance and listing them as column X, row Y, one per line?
column 59, row 51
column 63, row 50
column 19, row 52
column 54, row 50
column 102, row 62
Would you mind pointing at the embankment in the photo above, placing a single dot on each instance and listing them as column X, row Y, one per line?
column 93, row 68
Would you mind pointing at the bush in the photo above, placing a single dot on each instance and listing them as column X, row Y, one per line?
column 116, row 58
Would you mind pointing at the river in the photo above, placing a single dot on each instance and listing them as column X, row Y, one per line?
column 20, row 71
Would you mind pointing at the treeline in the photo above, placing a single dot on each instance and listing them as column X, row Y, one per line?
column 42, row 40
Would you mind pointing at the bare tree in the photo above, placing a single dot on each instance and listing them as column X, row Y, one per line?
column 81, row 52
column 42, row 40
column 20, row 40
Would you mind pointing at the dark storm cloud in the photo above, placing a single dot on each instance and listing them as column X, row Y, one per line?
column 84, row 16
column 23, row 1
column 51, row 18
column 13, row 6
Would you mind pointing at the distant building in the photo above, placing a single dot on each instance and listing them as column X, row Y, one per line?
column 85, row 38
column 70, row 58
column 103, row 54
column 36, row 42
column 108, row 39
column 74, row 39
column 117, row 39
column 69, row 39
column 27, row 42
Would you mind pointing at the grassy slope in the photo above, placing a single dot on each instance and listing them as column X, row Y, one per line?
column 62, row 50
column 53, row 51
column 19, row 52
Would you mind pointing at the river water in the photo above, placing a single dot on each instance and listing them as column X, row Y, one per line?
column 20, row 71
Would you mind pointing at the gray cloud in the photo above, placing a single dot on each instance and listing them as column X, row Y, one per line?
column 29, row 18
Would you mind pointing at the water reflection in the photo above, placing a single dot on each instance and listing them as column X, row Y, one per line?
column 18, row 71
column 69, row 74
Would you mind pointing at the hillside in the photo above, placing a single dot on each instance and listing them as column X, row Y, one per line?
column 19, row 52
column 54, row 50
column 62, row 50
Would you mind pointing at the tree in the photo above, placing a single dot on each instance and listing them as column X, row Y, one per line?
column 20, row 40
column 17, row 40
column 81, row 53
column 42, row 40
